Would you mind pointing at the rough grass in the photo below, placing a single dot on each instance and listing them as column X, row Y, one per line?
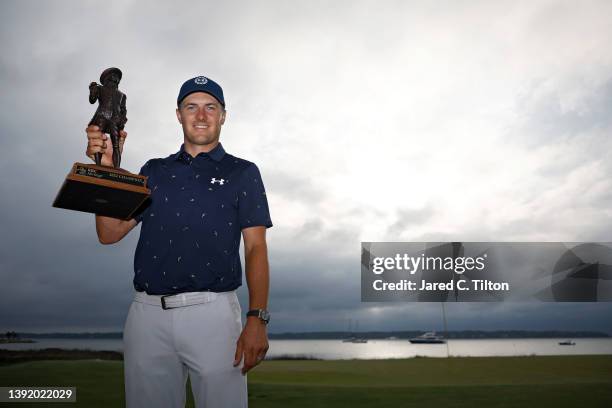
column 557, row 381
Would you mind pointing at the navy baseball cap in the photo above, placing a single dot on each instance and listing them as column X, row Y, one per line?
column 201, row 84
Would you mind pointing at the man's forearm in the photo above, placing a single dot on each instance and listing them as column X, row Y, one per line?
column 258, row 276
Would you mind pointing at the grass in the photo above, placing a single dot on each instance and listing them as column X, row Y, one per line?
column 556, row 381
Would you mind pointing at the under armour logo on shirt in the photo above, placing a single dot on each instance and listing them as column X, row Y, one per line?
column 214, row 180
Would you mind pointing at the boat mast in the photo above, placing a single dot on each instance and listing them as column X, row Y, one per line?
column 445, row 329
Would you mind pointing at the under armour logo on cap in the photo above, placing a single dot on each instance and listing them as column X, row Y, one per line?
column 201, row 80
column 214, row 180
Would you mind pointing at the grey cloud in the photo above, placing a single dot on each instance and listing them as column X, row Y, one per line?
column 546, row 120
column 294, row 187
column 406, row 218
column 50, row 262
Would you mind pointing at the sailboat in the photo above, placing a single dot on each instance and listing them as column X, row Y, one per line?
column 352, row 338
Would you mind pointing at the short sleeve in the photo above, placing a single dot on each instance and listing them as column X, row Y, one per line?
column 252, row 201
column 140, row 212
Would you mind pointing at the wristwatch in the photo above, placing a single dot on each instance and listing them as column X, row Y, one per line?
column 263, row 314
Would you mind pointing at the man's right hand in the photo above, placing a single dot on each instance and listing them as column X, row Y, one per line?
column 98, row 142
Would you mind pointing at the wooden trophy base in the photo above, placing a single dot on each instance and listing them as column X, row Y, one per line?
column 102, row 190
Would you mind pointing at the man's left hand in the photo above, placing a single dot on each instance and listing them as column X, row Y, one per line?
column 252, row 344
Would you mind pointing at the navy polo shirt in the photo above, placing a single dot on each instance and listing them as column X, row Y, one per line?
column 191, row 228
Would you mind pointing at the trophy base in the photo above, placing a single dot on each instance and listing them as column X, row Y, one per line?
column 102, row 190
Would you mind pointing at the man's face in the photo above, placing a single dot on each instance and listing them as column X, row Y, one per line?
column 201, row 116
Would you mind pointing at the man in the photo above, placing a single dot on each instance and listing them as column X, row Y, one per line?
column 186, row 319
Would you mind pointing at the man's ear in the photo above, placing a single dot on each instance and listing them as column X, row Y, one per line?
column 178, row 116
column 222, row 121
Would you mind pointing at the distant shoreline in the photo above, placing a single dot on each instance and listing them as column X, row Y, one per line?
column 373, row 335
column 21, row 356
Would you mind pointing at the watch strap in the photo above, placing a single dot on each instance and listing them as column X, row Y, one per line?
column 263, row 314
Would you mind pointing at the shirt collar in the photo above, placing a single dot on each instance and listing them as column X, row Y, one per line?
column 216, row 154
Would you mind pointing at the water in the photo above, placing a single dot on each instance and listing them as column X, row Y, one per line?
column 381, row 349
column 374, row 349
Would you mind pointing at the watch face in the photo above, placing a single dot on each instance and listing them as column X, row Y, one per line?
column 264, row 315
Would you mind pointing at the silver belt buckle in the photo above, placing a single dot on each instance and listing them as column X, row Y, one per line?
column 163, row 302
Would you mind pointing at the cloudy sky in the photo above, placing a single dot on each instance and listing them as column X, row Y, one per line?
column 370, row 121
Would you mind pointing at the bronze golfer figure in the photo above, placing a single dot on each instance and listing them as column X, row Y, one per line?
column 110, row 116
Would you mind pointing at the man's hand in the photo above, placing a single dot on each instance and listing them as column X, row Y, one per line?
column 98, row 142
column 252, row 344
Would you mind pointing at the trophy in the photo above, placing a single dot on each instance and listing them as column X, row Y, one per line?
column 98, row 189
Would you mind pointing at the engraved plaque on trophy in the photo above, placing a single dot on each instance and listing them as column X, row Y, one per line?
column 98, row 189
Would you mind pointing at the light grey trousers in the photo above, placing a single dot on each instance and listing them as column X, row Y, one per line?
column 162, row 347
